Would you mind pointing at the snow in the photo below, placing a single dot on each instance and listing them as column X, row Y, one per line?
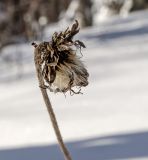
column 107, row 122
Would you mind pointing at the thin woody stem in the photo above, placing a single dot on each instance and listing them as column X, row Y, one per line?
column 49, row 107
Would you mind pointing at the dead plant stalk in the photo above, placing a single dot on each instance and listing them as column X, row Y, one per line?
column 59, row 69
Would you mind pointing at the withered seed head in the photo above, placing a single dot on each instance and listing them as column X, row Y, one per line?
column 61, row 68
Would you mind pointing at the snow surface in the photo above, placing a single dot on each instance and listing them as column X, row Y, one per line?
column 108, row 122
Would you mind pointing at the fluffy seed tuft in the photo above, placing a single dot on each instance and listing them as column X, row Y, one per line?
column 61, row 68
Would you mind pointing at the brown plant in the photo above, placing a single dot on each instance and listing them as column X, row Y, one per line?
column 59, row 69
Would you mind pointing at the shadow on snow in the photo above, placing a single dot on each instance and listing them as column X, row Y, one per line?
column 134, row 145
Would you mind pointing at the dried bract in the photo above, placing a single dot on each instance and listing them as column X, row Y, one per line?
column 61, row 68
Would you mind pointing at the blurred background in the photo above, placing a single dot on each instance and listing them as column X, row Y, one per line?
column 110, row 120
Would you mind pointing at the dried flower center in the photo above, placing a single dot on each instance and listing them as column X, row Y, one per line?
column 61, row 68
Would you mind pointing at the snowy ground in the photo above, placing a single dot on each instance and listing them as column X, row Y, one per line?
column 108, row 122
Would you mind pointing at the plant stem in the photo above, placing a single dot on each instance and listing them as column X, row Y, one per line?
column 49, row 107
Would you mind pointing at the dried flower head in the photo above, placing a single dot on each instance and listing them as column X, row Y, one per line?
column 61, row 68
